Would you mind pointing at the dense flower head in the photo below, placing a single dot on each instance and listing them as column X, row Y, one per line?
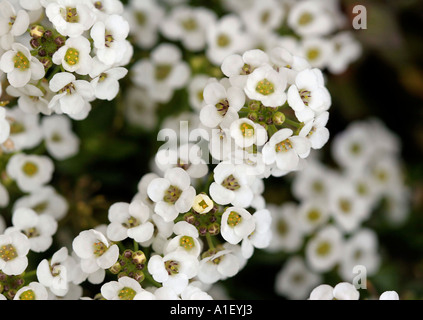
column 239, row 96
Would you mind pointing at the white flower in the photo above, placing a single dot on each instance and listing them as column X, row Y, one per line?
column 74, row 55
column 39, row 229
column 263, row 17
column 14, row 248
column 12, row 24
column 346, row 50
column 106, row 84
column 25, row 131
column 389, row 295
column 72, row 96
column 285, row 149
column 267, row 86
column 261, row 236
column 286, row 232
column 187, row 157
column 95, row 251
column 125, row 288
column 317, row 51
column 60, row 141
column 322, row 292
column 195, row 90
column 237, row 67
column 310, row 18
column 342, row 291
column 247, row 133
column 4, row 126
column 129, row 220
column 286, row 62
column 20, row 66
column 220, row 103
column 347, row 209
column 308, row 96
column 31, row 99
column 162, row 73
column 221, row 144
column 71, row 17
column 231, row 185
column 104, row 8
column 236, row 224
column 44, row 200
column 173, row 194
column 109, row 37
column 218, row 266
column 144, row 18
column 194, row 292
column 361, row 249
column 185, row 239
column 30, row 171
column 313, row 181
column 295, row 280
column 202, row 203
column 174, row 269
column 189, row 25
column 315, row 131
column 33, row 291
column 57, row 273
column 312, row 214
column 225, row 37
column 324, row 249
column 345, row 291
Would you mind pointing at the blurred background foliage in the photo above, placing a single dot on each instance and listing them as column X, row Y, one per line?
column 387, row 83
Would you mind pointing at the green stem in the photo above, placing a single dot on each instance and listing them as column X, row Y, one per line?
column 30, row 274
column 271, row 130
column 209, row 241
column 150, row 279
column 292, row 123
column 135, row 246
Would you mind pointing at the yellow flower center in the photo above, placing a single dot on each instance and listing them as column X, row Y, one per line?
column 126, row 293
column 187, row 242
column 21, row 61
column 284, row 145
column 72, row 56
column 27, row 295
column 8, row 252
column 265, row 87
column 234, row 219
column 30, row 168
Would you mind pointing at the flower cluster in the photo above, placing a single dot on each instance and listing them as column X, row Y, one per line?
column 197, row 41
column 75, row 54
column 232, row 116
column 325, row 229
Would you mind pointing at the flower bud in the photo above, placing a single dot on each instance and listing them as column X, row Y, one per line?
column 48, row 33
column 37, row 31
column 35, row 43
column 138, row 275
column 60, row 41
column 213, row 229
column 278, row 118
column 190, row 218
column 254, row 105
column 46, row 62
column 252, row 116
column 138, row 257
column 42, row 52
column 116, row 268
column 202, row 230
